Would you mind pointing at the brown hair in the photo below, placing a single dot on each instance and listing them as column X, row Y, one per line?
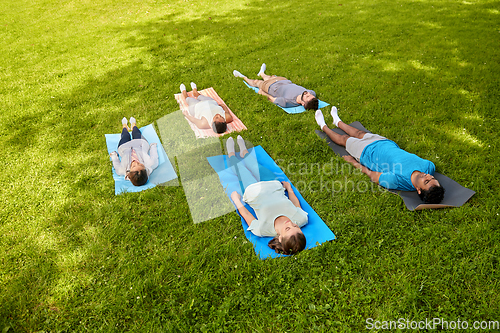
column 291, row 245
column 312, row 104
column 139, row 177
column 219, row 127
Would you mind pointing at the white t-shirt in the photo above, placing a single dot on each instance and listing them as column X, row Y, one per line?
column 269, row 202
column 208, row 109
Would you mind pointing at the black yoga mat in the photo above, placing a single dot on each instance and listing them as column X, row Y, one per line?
column 455, row 194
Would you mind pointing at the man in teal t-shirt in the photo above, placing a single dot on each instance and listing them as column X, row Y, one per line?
column 384, row 162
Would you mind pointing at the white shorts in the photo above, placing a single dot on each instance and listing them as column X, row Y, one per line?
column 355, row 146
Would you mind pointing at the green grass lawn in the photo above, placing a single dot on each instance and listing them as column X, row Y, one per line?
column 74, row 257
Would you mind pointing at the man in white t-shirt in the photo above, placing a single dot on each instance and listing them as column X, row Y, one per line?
column 204, row 111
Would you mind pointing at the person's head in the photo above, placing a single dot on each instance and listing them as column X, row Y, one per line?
column 291, row 239
column 433, row 195
column 137, row 174
column 309, row 101
column 219, row 124
column 428, row 188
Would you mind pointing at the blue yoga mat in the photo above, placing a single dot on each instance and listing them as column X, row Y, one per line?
column 291, row 110
column 316, row 231
column 163, row 173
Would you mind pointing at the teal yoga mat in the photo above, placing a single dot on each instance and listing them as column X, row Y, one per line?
column 292, row 110
column 162, row 174
column 316, row 231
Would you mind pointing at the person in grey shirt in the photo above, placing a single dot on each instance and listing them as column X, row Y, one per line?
column 282, row 91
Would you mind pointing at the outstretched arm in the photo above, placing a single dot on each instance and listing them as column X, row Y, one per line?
column 227, row 114
column 291, row 194
column 200, row 123
column 269, row 97
column 247, row 216
column 374, row 175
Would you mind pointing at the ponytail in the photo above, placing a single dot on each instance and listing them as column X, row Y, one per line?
column 291, row 245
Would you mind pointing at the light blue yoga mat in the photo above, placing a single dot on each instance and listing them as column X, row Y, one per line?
column 316, row 231
column 291, row 110
column 163, row 173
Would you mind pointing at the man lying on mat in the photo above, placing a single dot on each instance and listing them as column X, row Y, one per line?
column 277, row 216
column 384, row 162
column 281, row 91
column 204, row 111
column 139, row 158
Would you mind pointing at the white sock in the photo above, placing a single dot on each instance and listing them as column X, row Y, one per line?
column 241, row 144
column 193, row 86
column 230, row 145
column 237, row 74
column 335, row 116
column 124, row 121
column 132, row 120
column 182, row 87
column 320, row 119
column 262, row 69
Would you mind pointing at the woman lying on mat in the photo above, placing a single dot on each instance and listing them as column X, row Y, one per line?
column 139, row 158
column 277, row 216
column 204, row 111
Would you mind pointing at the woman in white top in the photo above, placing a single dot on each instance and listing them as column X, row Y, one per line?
column 138, row 157
column 204, row 111
column 278, row 216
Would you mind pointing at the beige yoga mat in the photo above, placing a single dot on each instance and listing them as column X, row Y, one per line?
column 235, row 126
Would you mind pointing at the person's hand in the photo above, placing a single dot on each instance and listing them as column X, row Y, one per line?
column 235, row 196
column 113, row 153
column 286, row 185
column 261, row 92
column 185, row 113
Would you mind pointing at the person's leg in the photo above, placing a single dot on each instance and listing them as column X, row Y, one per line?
column 339, row 139
column 184, row 93
column 191, row 102
column 194, row 88
column 253, row 83
column 351, row 131
column 136, row 134
column 266, row 77
column 335, row 137
column 262, row 70
column 205, row 98
column 245, row 176
column 125, row 136
column 260, row 172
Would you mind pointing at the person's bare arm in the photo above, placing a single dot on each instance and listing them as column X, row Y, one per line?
column 200, row 123
column 247, row 216
column 291, row 194
column 228, row 116
column 269, row 97
column 374, row 175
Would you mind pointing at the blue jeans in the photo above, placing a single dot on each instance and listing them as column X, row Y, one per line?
column 136, row 134
column 249, row 171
